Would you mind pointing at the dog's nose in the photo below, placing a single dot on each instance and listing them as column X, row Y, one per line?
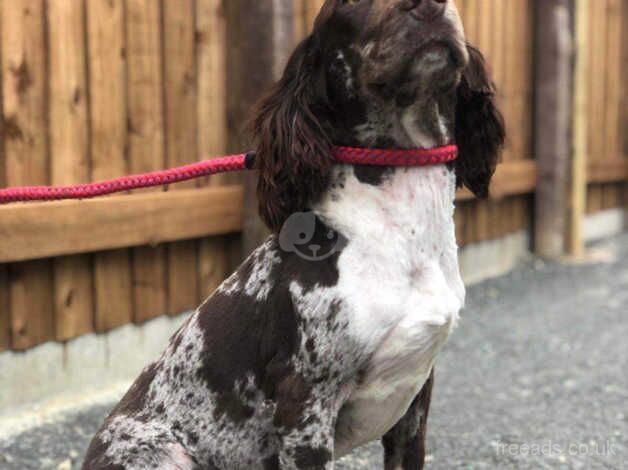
column 426, row 10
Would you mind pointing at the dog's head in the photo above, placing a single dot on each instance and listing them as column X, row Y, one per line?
column 374, row 73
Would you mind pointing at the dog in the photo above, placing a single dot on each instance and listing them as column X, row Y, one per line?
column 325, row 338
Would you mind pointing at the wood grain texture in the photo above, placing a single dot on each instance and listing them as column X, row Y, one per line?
column 146, row 141
column 26, row 162
column 313, row 7
column 597, row 90
column 211, row 81
column 505, row 95
column 3, row 166
column 502, row 211
column 211, row 86
column 213, row 265
column 299, row 19
column 613, row 98
column 181, row 145
column 113, row 301
column 484, row 34
column 69, row 147
column 477, row 26
column 37, row 325
column 5, row 312
column 40, row 230
column 611, row 170
column 521, row 27
column 578, row 177
column 623, row 137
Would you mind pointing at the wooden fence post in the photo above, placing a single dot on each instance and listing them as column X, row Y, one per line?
column 578, row 180
column 261, row 36
column 553, row 113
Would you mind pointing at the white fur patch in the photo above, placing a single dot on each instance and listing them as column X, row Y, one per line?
column 259, row 283
column 401, row 286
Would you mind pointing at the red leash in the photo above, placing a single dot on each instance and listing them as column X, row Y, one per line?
column 349, row 155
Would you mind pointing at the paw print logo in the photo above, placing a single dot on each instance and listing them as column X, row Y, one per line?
column 306, row 236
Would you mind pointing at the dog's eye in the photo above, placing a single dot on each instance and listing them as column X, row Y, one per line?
column 330, row 234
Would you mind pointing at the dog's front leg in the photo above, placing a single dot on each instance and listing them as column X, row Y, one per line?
column 305, row 417
column 404, row 444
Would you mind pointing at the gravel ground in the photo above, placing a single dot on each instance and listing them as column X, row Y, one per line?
column 535, row 377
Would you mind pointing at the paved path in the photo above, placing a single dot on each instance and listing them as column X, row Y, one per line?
column 535, row 377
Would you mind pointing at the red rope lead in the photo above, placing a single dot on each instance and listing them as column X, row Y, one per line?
column 349, row 155
column 396, row 157
column 125, row 183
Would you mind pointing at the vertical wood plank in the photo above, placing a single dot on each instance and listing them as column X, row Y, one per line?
column 3, row 167
column 26, row 158
column 211, row 81
column 470, row 232
column 522, row 27
column 213, row 265
column 146, row 141
column 313, row 7
column 479, row 20
column 605, row 105
column 501, row 221
column 299, row 20
column 5, row 313
column 236, row 108
column 181, row 126
column 610, row 197
column 503, row 42
column 597, row 15
column 506, row 105
column 593, row 61
column 460, row 212
column 459, row 224
column 495, row 227
column 484, row 42
column 578, row 186
column 113, row 302
column 623, row 137
column 211, row 59
column 69, row 155
column 469, row 18
column 32, row 319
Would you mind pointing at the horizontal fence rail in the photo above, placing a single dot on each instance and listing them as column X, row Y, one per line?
column 41, row 230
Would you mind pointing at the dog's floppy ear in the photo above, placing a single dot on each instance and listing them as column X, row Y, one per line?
column 294, row 152
column 480, row 130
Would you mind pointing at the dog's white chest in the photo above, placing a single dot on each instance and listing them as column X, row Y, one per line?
column 407, row 338
column 399, row 276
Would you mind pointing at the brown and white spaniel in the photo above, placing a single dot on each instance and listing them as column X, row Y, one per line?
column 326, row 337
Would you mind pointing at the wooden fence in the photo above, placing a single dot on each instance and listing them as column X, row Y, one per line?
column 92, row 89
column 607, row 147
column 96, row 89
